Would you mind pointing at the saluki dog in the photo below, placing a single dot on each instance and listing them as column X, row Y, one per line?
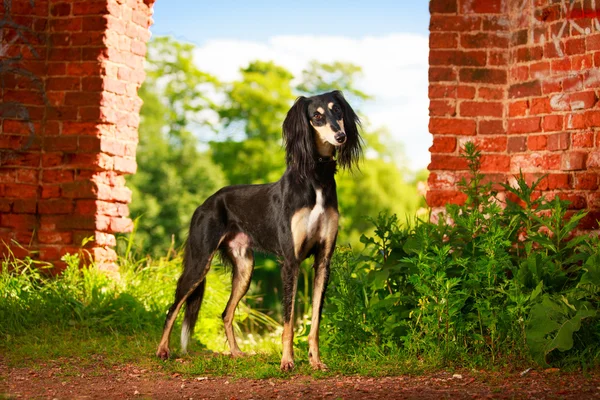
column 293, row 218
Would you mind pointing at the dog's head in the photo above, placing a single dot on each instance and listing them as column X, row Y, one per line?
column 319, row 127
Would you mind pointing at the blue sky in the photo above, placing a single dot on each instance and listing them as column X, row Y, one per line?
column 198, row 21
column 388, row 39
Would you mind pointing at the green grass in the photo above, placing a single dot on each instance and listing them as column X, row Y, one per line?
column 83, row 319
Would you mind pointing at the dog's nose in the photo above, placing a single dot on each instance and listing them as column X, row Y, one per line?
column 340, row 137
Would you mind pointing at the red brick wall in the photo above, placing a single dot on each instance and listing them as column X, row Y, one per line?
column 69, row 117
column 520, row 78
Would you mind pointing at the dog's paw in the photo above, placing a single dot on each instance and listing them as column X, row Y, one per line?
column 163, row 353
column 287, row 365
column 238, row 354
column 318, row 365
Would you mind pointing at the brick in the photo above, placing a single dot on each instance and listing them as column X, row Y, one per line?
column 491, row 127
column 525, row 89
column 558, row 181
column 27, row 175
column 443, row 40
column 518, row 108
column 24, row 206
column 495, row 163
column 540, row 105
column 60, row 206
column 125, row 165
column 593, row 160
column 537, row 142
column 442, row 91
column 483, row 40
column 497, row 58
column 492, row 144
column 121, row 225
column 524, row 125
column 586, row 181
column 465, row 92
column 457, row 57
column 517, row 144
column 481, row 109
column 18, row 221
column 443, row 144
column 575, row 46
column 452, row 126
column 519, row 73
column 483, row 75
column 582, row 62
column 5, row 205
column 528, row 54
column 481, row 6
column 443, row 6
column 539, row 70
column 582, row 140
column 438, row 74
column 439, row 198
column 440, row 108
column 558, row 141
column 80, row 190
column 576, row 201
column 573, row 161
column 18, row 190
column 447, row 162
column 490, row 93
column 46, row 237
column 552, row 123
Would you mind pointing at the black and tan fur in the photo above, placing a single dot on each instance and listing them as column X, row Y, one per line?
column 293, row 218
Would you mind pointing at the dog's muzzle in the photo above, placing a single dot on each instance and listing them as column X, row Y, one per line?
column 340, row 137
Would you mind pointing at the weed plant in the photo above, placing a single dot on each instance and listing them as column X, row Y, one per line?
column 489, row 283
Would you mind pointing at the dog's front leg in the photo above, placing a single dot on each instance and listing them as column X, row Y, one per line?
column 321, row 267
column 289, row 277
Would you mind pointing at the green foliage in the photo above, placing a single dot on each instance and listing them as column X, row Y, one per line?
column 84, row 298
column 483, row 282
column 253, row 113
column 173, row 176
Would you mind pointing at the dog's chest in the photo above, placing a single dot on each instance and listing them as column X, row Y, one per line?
column 313, row 225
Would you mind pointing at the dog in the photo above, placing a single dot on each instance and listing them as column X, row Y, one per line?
column 293, row 218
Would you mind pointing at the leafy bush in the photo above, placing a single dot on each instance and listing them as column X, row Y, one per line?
column 484, row 282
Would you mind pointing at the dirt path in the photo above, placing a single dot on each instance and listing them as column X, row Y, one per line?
column 124, row 382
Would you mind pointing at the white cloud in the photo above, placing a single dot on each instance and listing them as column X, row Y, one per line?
column 394, row 66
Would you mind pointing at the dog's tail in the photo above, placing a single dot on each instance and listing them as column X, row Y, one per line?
column 192, row 303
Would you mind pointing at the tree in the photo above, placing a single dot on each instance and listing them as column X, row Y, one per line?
column 174, row 176
column 250, row 149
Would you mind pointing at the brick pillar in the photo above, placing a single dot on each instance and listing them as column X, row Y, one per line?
column 70, row 113
column 468, row 59
column 520, row 78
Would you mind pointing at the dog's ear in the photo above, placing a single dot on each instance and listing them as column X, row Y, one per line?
column 350, row 152
column 298, row 139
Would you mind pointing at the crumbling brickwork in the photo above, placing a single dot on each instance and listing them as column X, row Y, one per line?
column 69, row 112
column 521, row 79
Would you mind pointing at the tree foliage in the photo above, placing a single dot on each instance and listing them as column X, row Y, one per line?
column 173, row 176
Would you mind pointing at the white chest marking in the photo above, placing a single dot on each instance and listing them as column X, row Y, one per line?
column 315, row 215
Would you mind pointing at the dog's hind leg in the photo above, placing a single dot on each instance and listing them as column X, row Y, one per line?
column 242, row 260
column 192, row 308
column 289, row 275
column 196, row 264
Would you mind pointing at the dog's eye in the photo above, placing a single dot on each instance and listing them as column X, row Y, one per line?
column 317, row 116
column 337, row 109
